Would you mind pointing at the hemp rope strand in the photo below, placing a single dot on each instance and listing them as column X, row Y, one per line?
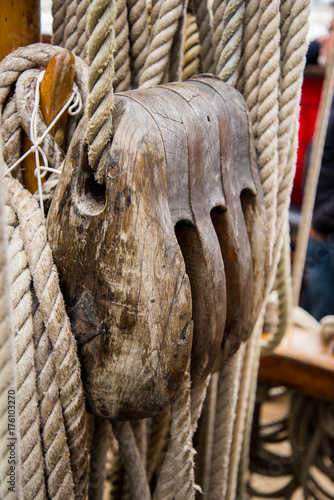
column 132, row 460
column 227, row 398
column 192, row 49
column 31, row 455
column 176, row 479
column 162, row 33
column 122, row 79
column 7, row 361
column 53, row 314
column 101, row 48
column 139, row 37
column 204, row 22
column 98, row 458
column 228, row 50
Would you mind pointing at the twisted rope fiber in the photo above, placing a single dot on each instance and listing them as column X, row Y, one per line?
column 98, row 458
column 267, row 117
column 228, row 50
column 158, row 442
column 248, row 84
column 227, row 398
column 197, row 398
column 176, row 479
column 101, row 48
column 245, row 410
column 38, row 392
column 7, row 361
column 71, row 22
column 31, row 455
column 162, row 34
column 54, row 442
column 204, row 23
column 122, row 53
column 192, row 50
column 132, row 460
column 204, row 435
column 58, row 9
column 139, row 37
column 57, row 324
column 284, row 288
column 11, row 132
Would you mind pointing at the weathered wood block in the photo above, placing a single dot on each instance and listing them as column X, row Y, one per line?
column 167, row 261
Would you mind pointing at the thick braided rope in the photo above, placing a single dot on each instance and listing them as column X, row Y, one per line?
column 312, row 178
column 228, row 49
column 71, row 23
column 58, row 472
column 122, row 53
column 59, row 8
column 205, row 434
column 139, row 37
column 249, row 80
column 11, row 132
column 82, row 39
column 132, row 460
column 227, row 397
column 267, row 112
column 31, row 453
column 197, row 397
column 218, row 9
column 294, row 27
column 98, row 457
column 176, row 479
column 192, row 49
column 7, row 359
column 158, row 441
column 53, row 313
column 162, row 33
column 139, row 428
column 101, row 48
column 204, row 22
column 284, row 288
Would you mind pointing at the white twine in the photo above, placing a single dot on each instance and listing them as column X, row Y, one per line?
column 74, row 106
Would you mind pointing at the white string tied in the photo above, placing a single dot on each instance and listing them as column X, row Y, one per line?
column 74, row 106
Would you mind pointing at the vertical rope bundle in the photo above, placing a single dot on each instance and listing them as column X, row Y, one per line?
column 7, row 361
column 162, row 33
column 101, row 48
column 139, row 37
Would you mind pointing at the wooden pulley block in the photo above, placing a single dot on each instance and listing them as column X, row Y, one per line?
column 156, row 265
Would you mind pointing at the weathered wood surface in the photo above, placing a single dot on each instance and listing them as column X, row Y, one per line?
column 176, row 237
column 20, row 24
column 302, row 360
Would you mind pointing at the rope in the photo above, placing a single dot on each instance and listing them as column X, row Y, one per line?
column 132, row 460
column 139, row 37
column 101, row 48
column 158, row 442
column 122, row 52
column 312, row 178
column 162, row 33
column 227, row 397
column 54, row 316
column 205, row 433
column 192, row 49
column 203, row 19
column 176, row 479
column 283, row 285
column 228, row 33
column 7, row 362
column 98, row 458
column 59, row 8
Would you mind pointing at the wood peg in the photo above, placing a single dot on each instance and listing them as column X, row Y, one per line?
column 55, row 91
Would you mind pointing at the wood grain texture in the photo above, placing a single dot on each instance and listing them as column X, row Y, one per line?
column 165, row 245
